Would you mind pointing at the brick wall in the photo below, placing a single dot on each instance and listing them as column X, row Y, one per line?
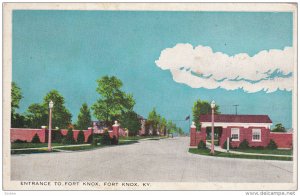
column 225, row 133
column 87, row 133
column 197, row 136
column 283, row 140
column 26, row 134
column 246, row 133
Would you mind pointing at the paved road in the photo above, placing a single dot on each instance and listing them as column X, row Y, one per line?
column 164, row 160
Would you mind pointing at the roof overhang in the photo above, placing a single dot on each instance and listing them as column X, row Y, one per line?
column 235, row 124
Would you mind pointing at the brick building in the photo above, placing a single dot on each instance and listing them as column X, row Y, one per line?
column 254, row 128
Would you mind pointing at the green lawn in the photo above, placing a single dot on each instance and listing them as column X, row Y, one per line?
column 122, row 141
column 66, row 147
column 265, row 151
column 32, row 145
column 230, row 155
column 31, row 151
column 75, row 148
column 129, row 138
column 154, row 139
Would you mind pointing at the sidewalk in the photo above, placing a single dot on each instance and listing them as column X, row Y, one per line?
column 65, row 146
column 218, row 148
column 144, row 139
column 53, row 147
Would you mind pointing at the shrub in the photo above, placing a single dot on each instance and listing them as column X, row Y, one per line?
column 95, row 141
column 57, row 137
column 90, row 139
column 80, row 137
column 69, row 139
column 257, row 147
column 106, row 138
column 36, row 139
column 225, row 145
column 114, row 141
column 244, row 144
column 100, row 137
column 202, row 145
column 272, row 145
column 18, row 141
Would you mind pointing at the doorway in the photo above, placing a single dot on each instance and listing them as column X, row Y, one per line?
column 217, row 135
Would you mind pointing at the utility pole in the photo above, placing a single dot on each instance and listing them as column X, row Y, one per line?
column 236, row 105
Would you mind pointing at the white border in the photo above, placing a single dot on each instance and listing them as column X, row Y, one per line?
column 243, row 7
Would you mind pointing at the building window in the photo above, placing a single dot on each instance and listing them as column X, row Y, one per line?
column 235, row 134
column 256, row 135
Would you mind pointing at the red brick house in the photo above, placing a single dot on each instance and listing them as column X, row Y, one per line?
column 254, row 128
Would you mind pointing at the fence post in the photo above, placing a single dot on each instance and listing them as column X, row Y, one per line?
column 227, row 144
column 193, row 134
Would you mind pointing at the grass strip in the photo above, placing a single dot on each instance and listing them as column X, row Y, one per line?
column 231, row 155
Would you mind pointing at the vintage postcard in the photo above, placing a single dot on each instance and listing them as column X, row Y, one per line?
column 150, row 96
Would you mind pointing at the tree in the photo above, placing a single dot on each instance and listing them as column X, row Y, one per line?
column 36, row 139
column 202, row 107
column 131, row 121
column 69, row 138
column 163, row 125
column 113, row 101
column 154, row 119
column 16, row 96
column 80, row 137
column 84, row 118
column 36, row 116
column 171, row 127
column 180, row 131
column 61, row 117
column 17, row 120
column 279, row 128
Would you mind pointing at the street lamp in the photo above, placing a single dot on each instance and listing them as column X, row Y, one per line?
column 212, row 149
column 50, row 124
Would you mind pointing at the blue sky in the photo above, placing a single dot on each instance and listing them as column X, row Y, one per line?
column 70, row 50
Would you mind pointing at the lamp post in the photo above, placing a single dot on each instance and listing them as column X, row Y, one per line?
column 50, row 124
column 212, row 149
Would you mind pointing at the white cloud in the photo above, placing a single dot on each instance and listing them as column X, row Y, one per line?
column 200, row 67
